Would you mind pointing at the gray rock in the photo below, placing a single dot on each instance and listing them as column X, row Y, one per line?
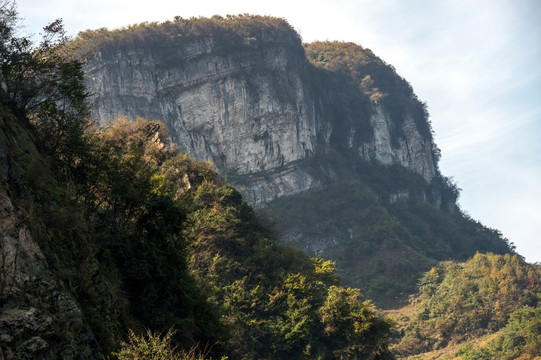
column 255, row 116
column 414, row 151
column 36, row 312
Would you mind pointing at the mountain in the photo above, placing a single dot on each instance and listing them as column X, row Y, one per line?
column 242, row 93
column 110, row 232
column 138, row 237
column 324, row 138
column 115, row 244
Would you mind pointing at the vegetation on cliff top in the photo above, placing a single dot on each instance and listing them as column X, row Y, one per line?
column 224, row 34
column 350, row 80
column 147, row 239
column 359, row 79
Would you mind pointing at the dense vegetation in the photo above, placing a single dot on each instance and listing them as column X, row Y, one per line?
column 287, row 306
column 459, row 301
column 385, row 245
column 389, row 225
column 163, row 255
column 147, row 239
column 359, row 79
column 226, row 35
column 519, row 339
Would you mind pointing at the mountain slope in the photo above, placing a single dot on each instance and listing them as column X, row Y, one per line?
column 109, row 230
column 460, row 302
column 116, row 236
column 297, row 127
column 38, row 315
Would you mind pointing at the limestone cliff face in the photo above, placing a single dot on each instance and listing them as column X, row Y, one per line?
column 247, row 115
column 257, row 112
column 413, row 151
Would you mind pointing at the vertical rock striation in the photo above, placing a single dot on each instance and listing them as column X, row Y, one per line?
column 413, row 151
column 255, row 107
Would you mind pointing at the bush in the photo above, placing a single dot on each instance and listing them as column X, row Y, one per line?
column 155, row 346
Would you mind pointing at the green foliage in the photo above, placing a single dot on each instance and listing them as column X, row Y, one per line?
column 154, row 346
column 350, row 324
column 141, row 221
column 519, row 339
column 384, row 247
column 275, row 299
column 460, row 300
column 116, row 237
column 108, row 221
column 43, row 84
column 146, row 238
column 380, row 246
column 441, row 235
column 42, row 78
column 232, row 34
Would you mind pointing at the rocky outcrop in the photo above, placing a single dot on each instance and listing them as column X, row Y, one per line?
column 255, row 111
column 263, row 187
column 248, row 116
column 413, row 151
column 39, row 319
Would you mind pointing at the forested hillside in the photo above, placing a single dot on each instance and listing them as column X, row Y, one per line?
column 140, row 237
column 490, row 297
column 117, row 244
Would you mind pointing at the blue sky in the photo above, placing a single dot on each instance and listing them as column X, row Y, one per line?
column 477, row 64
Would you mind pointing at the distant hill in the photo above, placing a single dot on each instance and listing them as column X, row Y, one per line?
column 491, row 297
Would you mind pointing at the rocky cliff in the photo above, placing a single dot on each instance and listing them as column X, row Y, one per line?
column 324, row 137
column 39, row 318
column 250, row 101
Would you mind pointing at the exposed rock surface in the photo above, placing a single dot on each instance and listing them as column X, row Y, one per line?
column 413, row 151
column 255, row 112
column 247, row 115
column 325, row 138
column 38, row 318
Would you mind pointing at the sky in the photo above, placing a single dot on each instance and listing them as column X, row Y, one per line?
column 477, row 65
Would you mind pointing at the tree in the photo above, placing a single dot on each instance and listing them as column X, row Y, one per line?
column 354, row 328
column 43, row 84
column 32, row 75
column 156, row 346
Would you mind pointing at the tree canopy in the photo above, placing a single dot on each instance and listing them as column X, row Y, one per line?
column 457, row 301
